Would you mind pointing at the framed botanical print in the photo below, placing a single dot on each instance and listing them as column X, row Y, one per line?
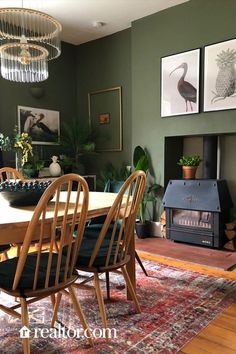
column 220, row 76
column 180, row 83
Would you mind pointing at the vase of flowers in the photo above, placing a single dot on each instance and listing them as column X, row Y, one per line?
column 23, row 147
column 20, row 143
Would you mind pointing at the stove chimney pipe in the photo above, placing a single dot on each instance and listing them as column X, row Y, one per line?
column 210, row 156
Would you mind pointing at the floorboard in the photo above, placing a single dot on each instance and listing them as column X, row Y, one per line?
column 220, row 259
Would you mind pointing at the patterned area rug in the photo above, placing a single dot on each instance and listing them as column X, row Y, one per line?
column 176, row 304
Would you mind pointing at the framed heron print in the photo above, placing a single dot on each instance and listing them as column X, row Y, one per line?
column 43, row 125
column 180, row 83
column 220, row 76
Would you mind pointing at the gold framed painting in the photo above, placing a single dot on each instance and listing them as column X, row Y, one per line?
column 105, row 118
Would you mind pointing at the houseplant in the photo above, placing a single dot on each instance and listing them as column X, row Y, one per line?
column 111, row 173
column 145, row 226
column 189, row 165
column 76, row 140
column 32, row 167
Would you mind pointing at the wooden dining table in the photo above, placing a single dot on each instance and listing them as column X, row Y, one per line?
column 14, row 222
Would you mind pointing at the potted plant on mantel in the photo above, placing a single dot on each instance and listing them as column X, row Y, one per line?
column 189, row 165
column 145, row 226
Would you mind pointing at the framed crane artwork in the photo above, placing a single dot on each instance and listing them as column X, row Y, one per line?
column 43, row 125
column 180, row 83
column 220, row 76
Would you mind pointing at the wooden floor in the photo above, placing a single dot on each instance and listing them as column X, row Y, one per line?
column 214, row 258
column 219, row 337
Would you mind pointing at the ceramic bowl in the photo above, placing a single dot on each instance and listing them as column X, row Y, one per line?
column 23, row 194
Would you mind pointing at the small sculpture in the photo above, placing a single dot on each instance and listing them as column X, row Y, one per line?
column 55, row 168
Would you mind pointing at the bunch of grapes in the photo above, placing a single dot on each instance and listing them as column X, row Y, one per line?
column 20, row 186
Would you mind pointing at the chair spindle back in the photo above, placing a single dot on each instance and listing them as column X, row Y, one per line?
column 65, row 215
column 121, row 219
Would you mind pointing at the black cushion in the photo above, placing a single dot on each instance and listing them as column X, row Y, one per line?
column 86, row 250
column 8, row 269
column 4, row 248
column 92, row 231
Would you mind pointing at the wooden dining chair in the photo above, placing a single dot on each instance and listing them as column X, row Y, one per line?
column 33, row 276
column 5, row 174
column 10, row 173
column 95, row 225
column 103, row 255
column 3, row 252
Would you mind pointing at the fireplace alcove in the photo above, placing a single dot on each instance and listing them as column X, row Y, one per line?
column 218, row 153
column 223, row 154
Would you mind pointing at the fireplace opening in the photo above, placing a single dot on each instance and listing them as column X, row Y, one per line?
column 192, row 218
column 197, row 211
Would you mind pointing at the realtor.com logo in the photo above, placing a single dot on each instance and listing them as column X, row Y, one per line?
column 62, row 332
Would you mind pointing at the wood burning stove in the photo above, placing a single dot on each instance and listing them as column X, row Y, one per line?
column 197, row 210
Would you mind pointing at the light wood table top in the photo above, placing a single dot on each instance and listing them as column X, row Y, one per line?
column 14, row 220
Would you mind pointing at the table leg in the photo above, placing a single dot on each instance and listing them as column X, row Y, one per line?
column 131, row 266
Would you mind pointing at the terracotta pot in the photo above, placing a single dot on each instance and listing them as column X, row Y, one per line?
column 189, row 172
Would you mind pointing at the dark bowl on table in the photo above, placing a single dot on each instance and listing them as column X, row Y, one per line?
column 23, row 193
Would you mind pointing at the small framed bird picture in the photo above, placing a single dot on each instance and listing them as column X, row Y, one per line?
column 180, row 83
column 220, row 76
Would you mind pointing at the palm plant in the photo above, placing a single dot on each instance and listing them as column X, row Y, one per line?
column 75, row 139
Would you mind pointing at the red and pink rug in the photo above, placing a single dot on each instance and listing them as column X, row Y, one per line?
column 176, row 304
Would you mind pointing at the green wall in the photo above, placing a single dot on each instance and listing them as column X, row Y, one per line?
column 59, row 94
column 103, row 64
column 178, row 29
column 131, row 59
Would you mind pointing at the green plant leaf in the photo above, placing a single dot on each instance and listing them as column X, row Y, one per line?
column 138, row 154
column 193, row 160
column 142, row 164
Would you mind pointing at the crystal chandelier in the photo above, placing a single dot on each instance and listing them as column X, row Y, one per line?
column 28, row 40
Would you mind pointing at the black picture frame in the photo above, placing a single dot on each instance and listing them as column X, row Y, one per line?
column 43, row 125
column 220, row 76
column 180, row 76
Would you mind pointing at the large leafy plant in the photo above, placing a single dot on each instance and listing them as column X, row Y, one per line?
column 141, row 161
column 76, row 139
column 112, row 173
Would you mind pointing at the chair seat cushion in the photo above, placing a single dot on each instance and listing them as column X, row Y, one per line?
column 4, row 248
column 86, row 250
column 92, row 231
column 8, row 269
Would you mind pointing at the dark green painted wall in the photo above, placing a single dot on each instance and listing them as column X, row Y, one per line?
column 184, row 27
column 102, row 64
column 59, row 94
column 131, row 59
